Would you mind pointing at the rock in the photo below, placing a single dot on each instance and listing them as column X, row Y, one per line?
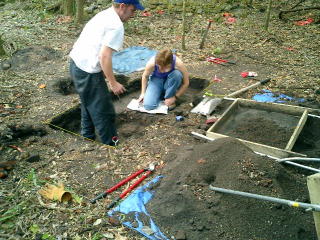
column 5, row 65
column 147, row 230
column 97, row 222
column 114, row 221
column 3, row 173
column 200, row 228
column 181, row 235
column 135, row 224
column 204, row 127
column 33, row 158
column 108, row 235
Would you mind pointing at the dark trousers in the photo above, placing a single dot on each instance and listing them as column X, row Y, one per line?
column 97, row 110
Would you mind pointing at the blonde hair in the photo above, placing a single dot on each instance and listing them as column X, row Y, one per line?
column 164, row 57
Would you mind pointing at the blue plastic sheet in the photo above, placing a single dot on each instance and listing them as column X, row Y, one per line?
column 135, row 203
column 268, row 96
column 131, row 59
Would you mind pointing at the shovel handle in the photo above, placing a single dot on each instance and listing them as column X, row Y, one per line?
column 236, row 93
column 100, row 196
column 110, row 190
column 265, row 80
column 135, row 184
column 114, row 203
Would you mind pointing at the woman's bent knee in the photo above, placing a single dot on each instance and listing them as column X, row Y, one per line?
column 150, row 107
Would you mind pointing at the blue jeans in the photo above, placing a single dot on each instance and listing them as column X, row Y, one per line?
column 97, row 110
column 161, row 88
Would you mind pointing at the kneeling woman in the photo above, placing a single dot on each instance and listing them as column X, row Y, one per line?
column 168, row 80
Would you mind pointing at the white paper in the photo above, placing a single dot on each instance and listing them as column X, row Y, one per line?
column 137, row 106
column 206, row 106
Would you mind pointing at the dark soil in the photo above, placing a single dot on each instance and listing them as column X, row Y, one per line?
column 264, row 127
column 184, row 203
column 308, row 141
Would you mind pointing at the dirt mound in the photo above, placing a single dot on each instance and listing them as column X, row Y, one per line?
column 185, row 207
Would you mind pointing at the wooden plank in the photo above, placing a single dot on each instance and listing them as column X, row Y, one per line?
column 313, row 183
column 272, row 107
column 290, row 108
column 264, row 149
column 224, row 117
column 297, row 131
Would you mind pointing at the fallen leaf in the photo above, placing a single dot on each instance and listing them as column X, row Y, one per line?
column 42, row 85
column 146, row 14
column 201, row 160
column 16, row 148
column 64, row 19
column 97, row 222
column 304, row 22
column 231, row 20
column 227, row 14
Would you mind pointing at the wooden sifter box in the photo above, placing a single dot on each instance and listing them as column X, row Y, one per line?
column 267, row 128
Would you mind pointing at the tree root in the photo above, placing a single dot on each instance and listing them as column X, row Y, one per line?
column 281, row 13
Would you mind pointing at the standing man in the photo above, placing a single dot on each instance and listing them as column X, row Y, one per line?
column 91, row 63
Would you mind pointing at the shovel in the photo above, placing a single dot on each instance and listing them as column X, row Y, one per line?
column 208, row 104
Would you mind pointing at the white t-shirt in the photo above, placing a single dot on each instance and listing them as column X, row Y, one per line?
column 104, row 29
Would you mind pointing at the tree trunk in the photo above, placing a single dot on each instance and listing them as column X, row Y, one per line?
column 68, row 7
column 266, row 26
column 183, row 25
column 2, row 51
column 79, row 12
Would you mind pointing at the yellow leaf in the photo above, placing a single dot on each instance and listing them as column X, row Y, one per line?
column 42, row 85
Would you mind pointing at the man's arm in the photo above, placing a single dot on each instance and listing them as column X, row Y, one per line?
column 105, row 57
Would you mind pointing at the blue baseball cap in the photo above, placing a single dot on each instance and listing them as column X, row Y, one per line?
column 135, row 3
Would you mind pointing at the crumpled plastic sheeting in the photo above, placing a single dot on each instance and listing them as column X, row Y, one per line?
column 131, row 59
column 268, row 96
column 135, row 203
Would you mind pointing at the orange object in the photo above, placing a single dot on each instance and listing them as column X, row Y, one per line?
column 231, row 20
column 211, row 120
column 227, row 14
column 304, row 22
column 146, row 14
column 54, row 192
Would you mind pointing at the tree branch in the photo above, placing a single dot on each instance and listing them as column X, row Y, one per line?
column 281, row 13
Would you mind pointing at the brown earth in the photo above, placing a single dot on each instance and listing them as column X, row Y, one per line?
column 184, row 205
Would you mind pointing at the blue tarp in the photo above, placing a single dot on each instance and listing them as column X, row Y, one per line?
column 131, row 59
column 268, row 96
column 135, row 203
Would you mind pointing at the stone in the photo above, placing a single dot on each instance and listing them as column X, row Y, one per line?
column 33, row 158
column 181, row 235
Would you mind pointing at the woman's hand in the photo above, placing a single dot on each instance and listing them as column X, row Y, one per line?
column 141, row 97
column 170, row 101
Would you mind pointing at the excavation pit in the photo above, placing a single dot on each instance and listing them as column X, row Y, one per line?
column 308, row 142
column 129, row 123
column 268, row 128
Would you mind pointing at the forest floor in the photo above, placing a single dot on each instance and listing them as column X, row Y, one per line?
column 31, row 94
